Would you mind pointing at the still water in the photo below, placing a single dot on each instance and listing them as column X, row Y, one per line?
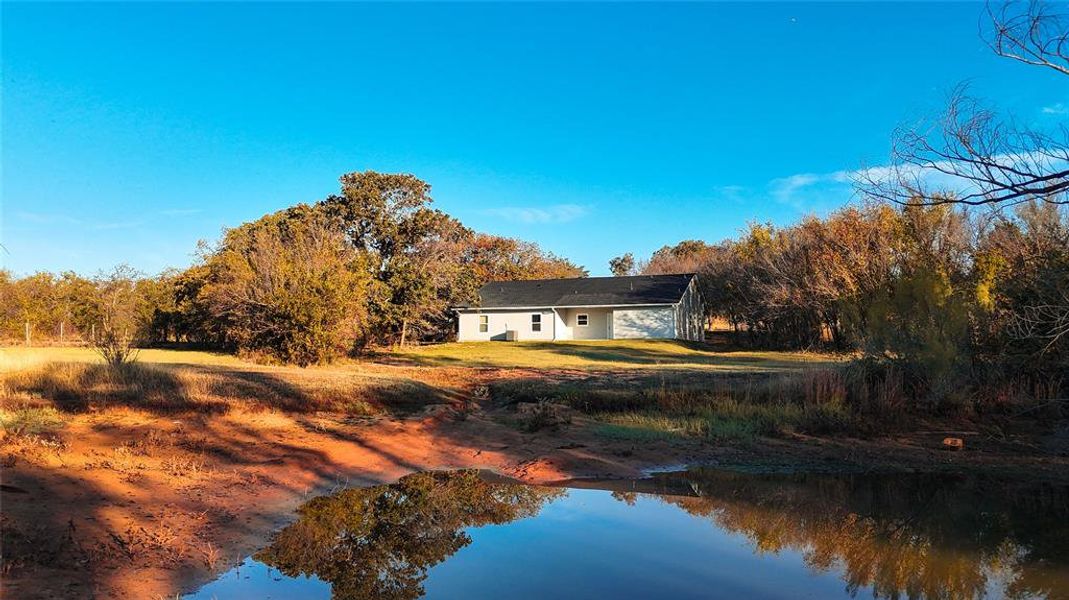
column 694, row 534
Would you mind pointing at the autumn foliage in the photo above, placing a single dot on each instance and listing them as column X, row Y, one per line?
column 371, row 265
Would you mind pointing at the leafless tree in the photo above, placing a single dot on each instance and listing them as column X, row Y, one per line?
column 970, row 154
column 117, row 299
column 1044, row 322
column 1036, row 36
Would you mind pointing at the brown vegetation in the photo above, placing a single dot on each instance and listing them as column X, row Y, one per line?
column 937, row 295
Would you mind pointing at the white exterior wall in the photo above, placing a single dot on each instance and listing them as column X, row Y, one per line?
column 500, row 321
column 647, row 322
column 598, row 325
column 563, row 330
column 685, row 321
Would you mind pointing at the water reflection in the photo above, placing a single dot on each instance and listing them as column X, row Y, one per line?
column 911, row 536
column 379, row 542
column 693, row 534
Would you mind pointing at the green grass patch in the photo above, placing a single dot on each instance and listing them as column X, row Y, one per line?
column 733, row 428
column 632, row 432
column 726, row 420
column 33, row 420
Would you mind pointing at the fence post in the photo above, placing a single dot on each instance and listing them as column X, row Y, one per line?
column 27, row 333
column 61, row 332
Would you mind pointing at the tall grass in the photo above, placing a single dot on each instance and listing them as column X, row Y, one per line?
column 859, row 397
column 812, row 402
column 723, row 407
column 732, row 420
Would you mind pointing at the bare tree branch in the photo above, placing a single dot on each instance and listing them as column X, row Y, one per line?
column 1044, row 322
column 1036, row 36
column 970, row 155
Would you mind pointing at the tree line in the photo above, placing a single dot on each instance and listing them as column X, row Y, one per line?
column 955, row 264
column 69, row 307
column 373, row 264
column 936, row 286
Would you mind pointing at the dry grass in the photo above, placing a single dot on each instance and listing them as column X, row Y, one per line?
column 21, row 358
column 120, row 460
column 74, row 379
column 184, row 466
column 666, row 386
column 609, row 354
column 721, row 407
column 660, row 386
column 211, row 556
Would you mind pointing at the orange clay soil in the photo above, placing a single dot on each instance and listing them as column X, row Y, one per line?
column 135, row 505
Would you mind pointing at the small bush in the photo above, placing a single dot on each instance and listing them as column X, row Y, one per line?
column 116, row 349
column 544, row 415
column 33, row 420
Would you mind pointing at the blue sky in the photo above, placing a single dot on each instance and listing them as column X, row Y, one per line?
column 130, row 131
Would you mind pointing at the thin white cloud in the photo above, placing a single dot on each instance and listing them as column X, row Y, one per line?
column 792, row 190
column 1060, row 108
column 817, row 192
column 557, row 213
column 736, row 194
column 802, row 192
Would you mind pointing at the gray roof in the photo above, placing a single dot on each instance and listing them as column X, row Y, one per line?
column 585, row 291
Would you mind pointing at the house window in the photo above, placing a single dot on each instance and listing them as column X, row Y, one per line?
column 536, row 322
column 582, row 320
column 484, row 323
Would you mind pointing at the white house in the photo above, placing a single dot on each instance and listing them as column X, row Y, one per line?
column 586, row 308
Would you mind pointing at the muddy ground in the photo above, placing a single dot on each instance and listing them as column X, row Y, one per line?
column 127, row 504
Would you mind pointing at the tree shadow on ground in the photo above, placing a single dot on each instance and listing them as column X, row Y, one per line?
column 165, row 388
column 593, row 355
column 58, row 522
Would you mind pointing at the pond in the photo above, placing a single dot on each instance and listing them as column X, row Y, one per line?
column 695, row 534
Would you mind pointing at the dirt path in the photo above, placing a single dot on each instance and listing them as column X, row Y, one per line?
column 132, row 505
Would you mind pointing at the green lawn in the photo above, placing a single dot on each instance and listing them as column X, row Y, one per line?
column 610, row 354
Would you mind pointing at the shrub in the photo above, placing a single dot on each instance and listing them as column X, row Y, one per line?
column 30, row 420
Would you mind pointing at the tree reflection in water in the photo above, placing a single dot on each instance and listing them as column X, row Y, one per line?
column 902, row 536
column 906, row 536
column 379, row 542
